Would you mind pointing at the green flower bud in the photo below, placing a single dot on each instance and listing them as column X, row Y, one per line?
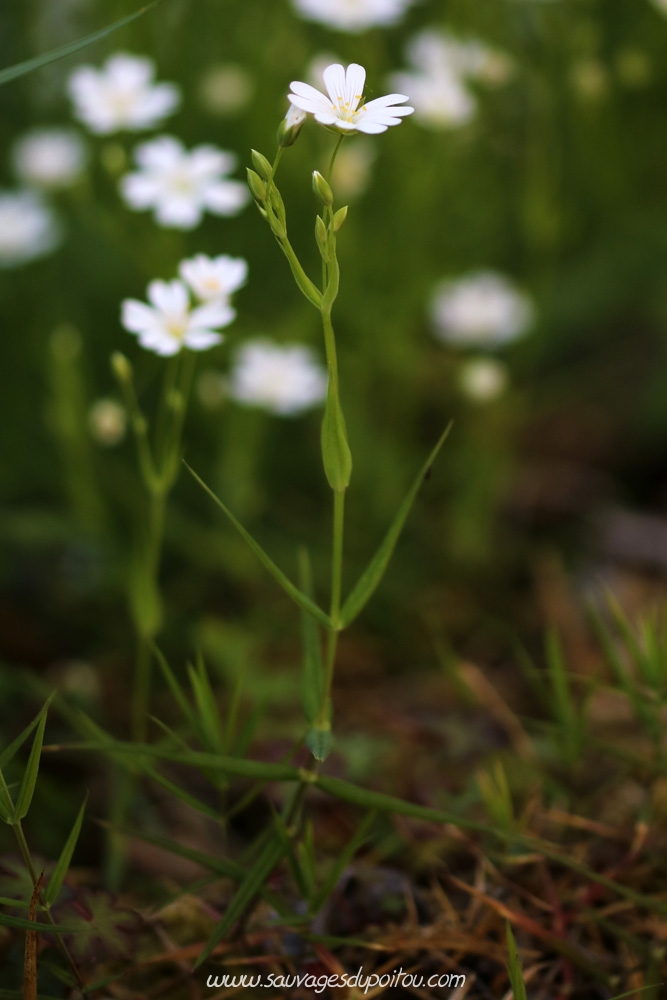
column 256, row 185
column 322, row 189
column 322, row 237
column 339, row 218
column 290, row 126
column 335, row 449
column 121, row 367
column 261, row 164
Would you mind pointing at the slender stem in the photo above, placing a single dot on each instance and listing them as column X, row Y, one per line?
column 333, row 157
column 274, row 168
column 27, row 859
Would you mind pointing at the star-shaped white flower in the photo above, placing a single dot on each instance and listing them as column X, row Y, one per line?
column 169, row 323
column 121, row 95
column 181, row 185
column 342, row 109
column 213, row 278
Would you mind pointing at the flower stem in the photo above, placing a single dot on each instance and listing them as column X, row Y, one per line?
column 333, row 157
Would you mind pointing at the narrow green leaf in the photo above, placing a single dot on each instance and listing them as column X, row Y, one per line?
column 313, row 671
column 180, row 793
column 30, row 925
column 175, row 687
column 20, row 69
column 32, row 769
column 342, row 861
column 270, row 857
column 6, row 804
column 374, row 572
column 16, row 744
column 220, row 866
column 216, row 762
column 284, row 581
column 62, row 867
column 514, row 967
column 206, row 705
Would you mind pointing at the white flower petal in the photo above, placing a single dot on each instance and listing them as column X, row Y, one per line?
column 137, row 316
column 213, row 314
column 170, row 297
column 226, row 197
column 200, row 340
column 355, row 81
column 334, row 81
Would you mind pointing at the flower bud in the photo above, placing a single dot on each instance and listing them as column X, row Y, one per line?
column 322, row 237
column 322, row 189
column 256, row 185
column 121, row 367
column 290, row 126
column 261, row 164
column 339, row 218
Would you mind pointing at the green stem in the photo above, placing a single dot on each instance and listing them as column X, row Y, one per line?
column 323, row 718
column 333, row 157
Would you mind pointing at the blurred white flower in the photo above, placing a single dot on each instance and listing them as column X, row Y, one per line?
column 226, row 89
column 341, row 109
column 661, row 5
column 442, row 66
column 482, row 309
column 28, row 228
column 169, row 323
column 107, row 421
column 182, row 185
column 353, row 15
column 213, row 278
column 121, row 95
column 284, row 379
column 50, row 158
column 483, row 379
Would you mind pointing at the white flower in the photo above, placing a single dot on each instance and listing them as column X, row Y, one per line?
column 169, row 323
column 121, row 95
column 212, row 278
column 50, row 158
column 483, row 379
column 661, row 5
column 182, row 185
column 107, row 421
column 284, row 379
column 442, row 66
column 342, row 108
column 28, row 228
column 479, row 310
column 353, row 15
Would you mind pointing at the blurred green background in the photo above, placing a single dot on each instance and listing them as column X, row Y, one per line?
column 558, row 182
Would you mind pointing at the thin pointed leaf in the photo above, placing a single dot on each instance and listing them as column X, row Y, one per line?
column 16, row 744
column 216, row 762
column 175, row 687
column 32, row 770
column 6, row 804
column 22, row 924
column 62, row 867
column 207, row 706
column 20, row 69
column 278, row 575
column 514, row 967
column 270, row 857
column 220, row 866
column 342, row 861
column 370, row 578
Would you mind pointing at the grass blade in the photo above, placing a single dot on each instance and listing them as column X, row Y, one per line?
column 175, row 687
column 20, row 69
column 370, row 578
column 270, row 857
column 16, row 744
column 514, row 967
column 300, row 598
column 32, row 770
column 62, row 867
